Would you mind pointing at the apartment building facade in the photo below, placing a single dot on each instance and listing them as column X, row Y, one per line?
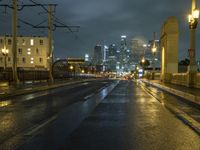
column 32, row 52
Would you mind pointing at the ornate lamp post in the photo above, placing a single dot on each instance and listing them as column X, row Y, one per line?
column 154, row 49
column 72, row 68
column 193, row 21
column 143, row 64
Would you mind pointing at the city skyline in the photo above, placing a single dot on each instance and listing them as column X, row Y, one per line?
column 104, row 22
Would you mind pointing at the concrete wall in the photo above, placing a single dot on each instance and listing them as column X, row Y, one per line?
column 179, row 78
column 183, row 79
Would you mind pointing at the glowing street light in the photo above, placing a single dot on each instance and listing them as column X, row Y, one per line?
column 145, row 45
column 154, row 49
column 71, row 67
column 143, row 60
column 82, row 71
column 5, row 52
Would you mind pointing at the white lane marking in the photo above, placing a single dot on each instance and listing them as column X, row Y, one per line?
column 85, row 83
column 88, row 96
column 38, row 127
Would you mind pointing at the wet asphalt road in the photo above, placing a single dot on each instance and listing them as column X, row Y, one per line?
column 19, row 115
column 127, row 119
column 131, row 119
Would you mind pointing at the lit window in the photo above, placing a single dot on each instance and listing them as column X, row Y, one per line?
column 32, row 42
column 29, row 51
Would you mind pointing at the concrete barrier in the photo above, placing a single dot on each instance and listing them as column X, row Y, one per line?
column 188, row 96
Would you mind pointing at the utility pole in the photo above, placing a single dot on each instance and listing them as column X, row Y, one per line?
column 14, row 42
column 50, row 52
column 52, row 25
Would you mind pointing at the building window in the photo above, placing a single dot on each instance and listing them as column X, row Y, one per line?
column 17, row 59
column 40, row 60
column 24, row 60
column 41, row 42
column 9, row 59
column 32, row 42
column 29, row 51
column 19, row 50
column 9, row 41
column 1, row 41
column 32, row 60
column 1, row 59
column 37, row 51
column 23, row 42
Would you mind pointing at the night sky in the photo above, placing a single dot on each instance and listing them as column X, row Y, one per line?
column 104, row 21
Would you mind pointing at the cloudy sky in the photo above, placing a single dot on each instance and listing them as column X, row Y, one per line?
column 103, row 21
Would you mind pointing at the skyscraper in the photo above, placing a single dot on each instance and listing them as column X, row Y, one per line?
column 98, row 55
column 112, row 57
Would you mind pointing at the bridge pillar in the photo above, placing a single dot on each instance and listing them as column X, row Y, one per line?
column 169, row 49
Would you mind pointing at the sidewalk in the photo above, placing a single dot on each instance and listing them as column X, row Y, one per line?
column 190, row 94
column 15, row 90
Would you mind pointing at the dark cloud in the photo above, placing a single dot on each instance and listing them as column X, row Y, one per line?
column 103, row 21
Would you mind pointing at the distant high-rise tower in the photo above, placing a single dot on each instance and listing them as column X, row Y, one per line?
column 112, row 57
column 98, row 56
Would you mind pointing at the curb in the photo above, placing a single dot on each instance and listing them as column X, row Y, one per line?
column 185, row 118
column 187, row 96
column 38, row 89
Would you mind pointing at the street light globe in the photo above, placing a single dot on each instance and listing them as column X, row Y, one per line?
column 189, row 18
column 71, row 67
column 195, row 14
column 143, row 60
column 154, row 49
column 144, row 45
column 83, row 71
